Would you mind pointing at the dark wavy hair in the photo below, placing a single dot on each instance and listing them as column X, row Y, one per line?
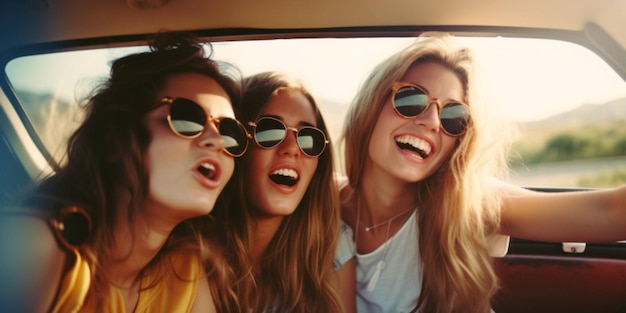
column 105, row 155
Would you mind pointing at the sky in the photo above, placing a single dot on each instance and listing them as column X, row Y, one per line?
column 523, row 75
column 530, row 79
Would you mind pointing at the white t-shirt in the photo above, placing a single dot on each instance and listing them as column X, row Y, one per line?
column 399, row 283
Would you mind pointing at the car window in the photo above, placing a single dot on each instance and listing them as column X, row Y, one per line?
column 568, row 102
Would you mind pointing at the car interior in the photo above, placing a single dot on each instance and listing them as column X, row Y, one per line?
column 558, row 69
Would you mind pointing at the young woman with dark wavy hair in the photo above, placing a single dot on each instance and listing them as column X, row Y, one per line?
column 123, row 225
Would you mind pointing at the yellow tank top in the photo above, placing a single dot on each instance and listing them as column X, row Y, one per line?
column 176, row 292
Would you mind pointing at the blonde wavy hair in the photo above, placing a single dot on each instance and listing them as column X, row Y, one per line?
column 296, row 272
column 457, row 213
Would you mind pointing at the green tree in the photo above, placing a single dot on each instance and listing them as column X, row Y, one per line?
column 565, row 147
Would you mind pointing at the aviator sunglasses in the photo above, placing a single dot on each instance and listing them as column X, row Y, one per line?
column 410, row 100
column 269, row 132
column 188, row 119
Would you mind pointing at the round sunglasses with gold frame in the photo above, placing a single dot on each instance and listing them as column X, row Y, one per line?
column 188, row 120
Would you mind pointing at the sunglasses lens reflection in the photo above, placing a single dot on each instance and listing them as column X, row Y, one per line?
column 312, row 141
column 410, row 101
column 234, row 135
column 454, row 118
column 187, row 118
column 269, row 132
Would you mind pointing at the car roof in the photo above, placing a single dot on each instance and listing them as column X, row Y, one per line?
column 34, row 25
column 40, row 21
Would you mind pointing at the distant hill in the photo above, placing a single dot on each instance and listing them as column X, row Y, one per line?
column 39, row 106
column 53, row 118
column 586, row 114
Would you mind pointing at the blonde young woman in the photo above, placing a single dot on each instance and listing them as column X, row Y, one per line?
column 283, row 212
column 422, row 204
column 120, row 227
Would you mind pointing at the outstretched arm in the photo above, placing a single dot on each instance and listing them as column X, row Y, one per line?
column 585, row 216
column 31, row 263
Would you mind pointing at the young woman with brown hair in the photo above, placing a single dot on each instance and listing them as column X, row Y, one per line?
column 129, row 208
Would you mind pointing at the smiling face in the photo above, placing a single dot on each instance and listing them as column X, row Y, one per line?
column 411, row 149
column 279, row 176
column 187, row 175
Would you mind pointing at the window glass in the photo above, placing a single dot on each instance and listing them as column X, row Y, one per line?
column 569, row 103
column 51, row 88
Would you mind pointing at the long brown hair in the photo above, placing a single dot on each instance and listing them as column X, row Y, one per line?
column 296, row 271
column 456, row 213
column 105, row 156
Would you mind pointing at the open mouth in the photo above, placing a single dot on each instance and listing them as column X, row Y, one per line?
column 284, row 176
column 207, row 170
column 414, row 144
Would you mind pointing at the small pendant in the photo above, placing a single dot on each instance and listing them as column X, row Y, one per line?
column 367, row 229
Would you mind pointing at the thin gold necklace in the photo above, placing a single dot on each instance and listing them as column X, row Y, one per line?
column 382, row 262
column 388, row 221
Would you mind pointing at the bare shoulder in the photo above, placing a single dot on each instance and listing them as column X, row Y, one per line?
column 31, row 263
